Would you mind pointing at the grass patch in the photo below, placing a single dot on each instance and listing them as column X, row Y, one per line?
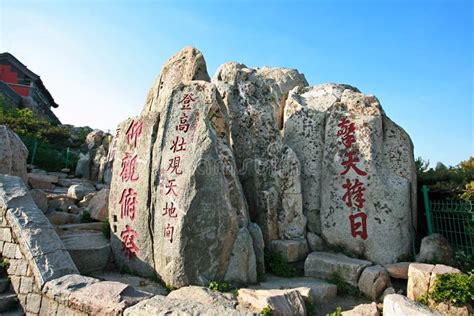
column 344, row 288
column 274, row 263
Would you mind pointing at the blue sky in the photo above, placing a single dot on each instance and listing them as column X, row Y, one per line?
column 99, row 58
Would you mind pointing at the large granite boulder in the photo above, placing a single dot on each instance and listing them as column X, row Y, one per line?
column 13, row 154
column 358, row 171
column 268, row 169
column 176, row 205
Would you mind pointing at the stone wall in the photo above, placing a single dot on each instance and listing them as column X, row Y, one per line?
column 41, row 271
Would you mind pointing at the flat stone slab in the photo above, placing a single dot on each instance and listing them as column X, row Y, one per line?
column 142, row 284
column 161, row 305
column 398, row 270
column 90, row 251
column 321, row 291
column 291, row 250
column 323, row 265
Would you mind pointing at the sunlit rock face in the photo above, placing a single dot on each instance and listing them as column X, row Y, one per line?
column 177, row 208
column 358, row 171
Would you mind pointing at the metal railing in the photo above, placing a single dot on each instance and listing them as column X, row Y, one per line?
column 454, row 219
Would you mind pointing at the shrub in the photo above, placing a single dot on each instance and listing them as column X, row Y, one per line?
column 454, row 288
column 219, row 286
column 275, row 264
column 266, row 311
column 337, row 312
column 106, row 228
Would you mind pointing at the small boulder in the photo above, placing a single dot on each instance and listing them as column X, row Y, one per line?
column 281, row 302
column 398, row 270
column 40, row 198
column 59, row 202
column 399, row 305
column 62, row 218
column 435, row 248
column 83, row 167
column 315, row 242
column 78, row 191
column 86, row 200
column 290, row 250
column 363, row 310
column 373, row 281
column 42, row 181
column 99, row 205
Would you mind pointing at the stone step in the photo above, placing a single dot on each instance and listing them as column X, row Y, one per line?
column 8, row 301
column 4, row 284
column 324, row 265
column 90, row 251
column 322, row 292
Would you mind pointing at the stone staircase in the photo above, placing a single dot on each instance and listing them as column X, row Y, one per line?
column 9, row 304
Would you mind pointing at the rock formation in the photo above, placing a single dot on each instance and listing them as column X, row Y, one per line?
column 13, row 154
column 176, row 204
column 358, row 171
column 268, row 169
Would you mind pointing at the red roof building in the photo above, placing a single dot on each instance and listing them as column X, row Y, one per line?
column 25, row 88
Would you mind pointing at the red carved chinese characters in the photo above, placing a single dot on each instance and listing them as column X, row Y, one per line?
column 183, row 125
column 169, row 232
column 359, row 225
column 129, row 168
column 169, row 210
column 354, row 193
column 179, row 144
column 188, row 98
column 174, row 165
column 346, row 131
column 353, row 190
column 128, row 204
column 134, row 132
column 350, row 163
column 128, row 237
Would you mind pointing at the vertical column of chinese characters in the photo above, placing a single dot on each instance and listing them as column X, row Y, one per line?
column 353, row 190
column 129, row 199
column 168, row 176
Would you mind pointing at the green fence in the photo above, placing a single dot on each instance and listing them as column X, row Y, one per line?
column 50, row 157
column 454, row 219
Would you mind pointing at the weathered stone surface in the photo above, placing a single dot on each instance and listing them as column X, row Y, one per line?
column 37, row 240
column 90, row 251
column 160, row 305
column 242, row 268
column 418, row 279
column 398, row 270
column 315, row 242
column 258, row 247
column 60, row 289
column 268, row 169
column 204, row 296
column 399, row 305
column 324, row 264
column 363, row 310
column 65, row 229
column 83, row 167
column 290, row 250
column 321, row 292
column 436, row 248
column 62, row 218
column 385, row 159
column 142, row 284
column 451, row 310
column 438, row 270
column 282, row 302
column 78, row 191
column 59, row 202
column 186, row 65
column 42, row 181
column 40, row 199
column 189, row 216
column 99, row 205
column 106, row 298
column 13, row 154
column 373, row 281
